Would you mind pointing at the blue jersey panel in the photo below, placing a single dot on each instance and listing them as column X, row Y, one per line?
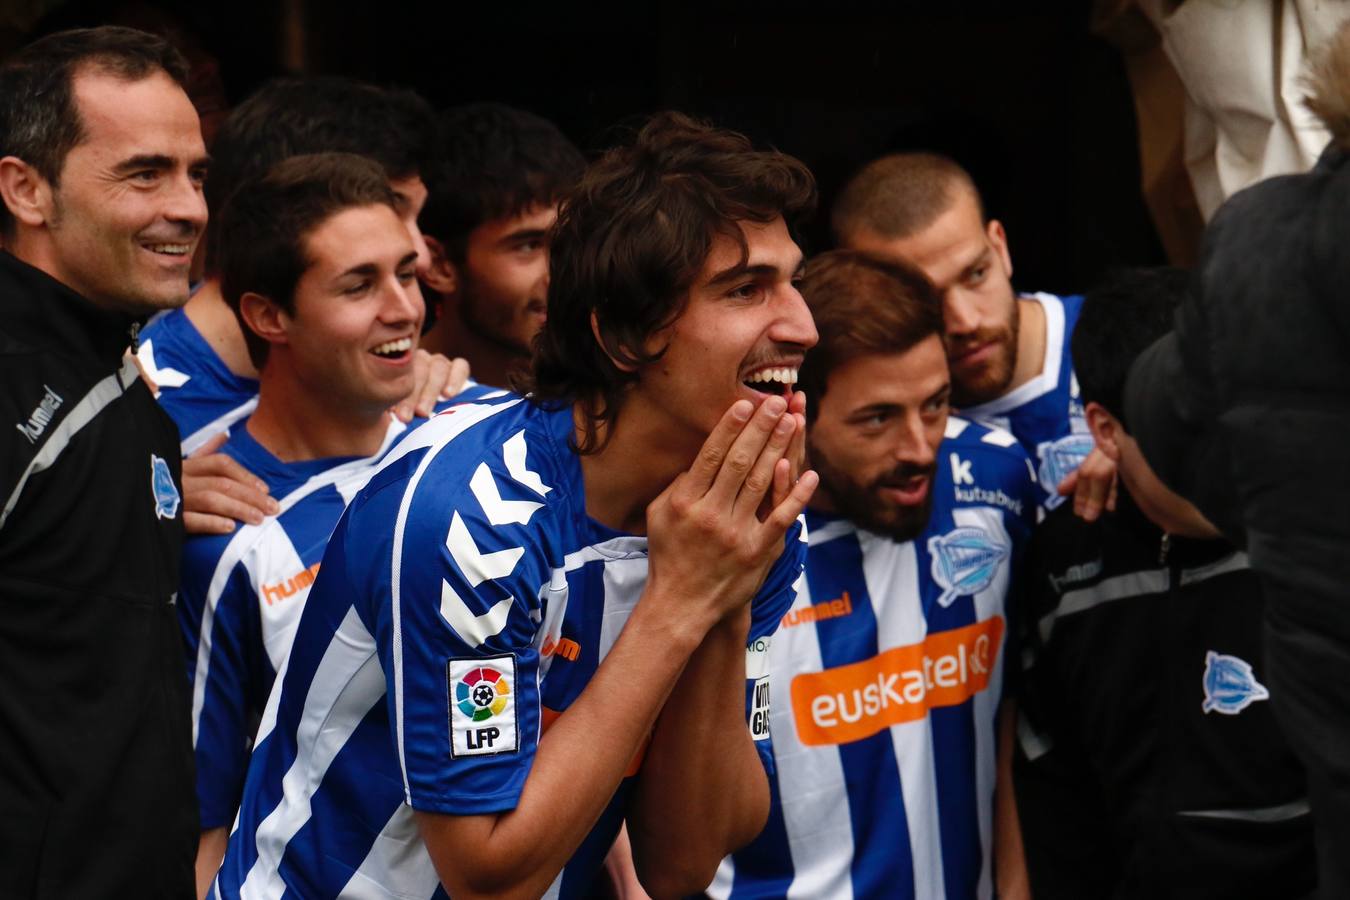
column 464, row 602
column 241, row 599
column 196, row 388
column 1046, row 413
column 886, row 677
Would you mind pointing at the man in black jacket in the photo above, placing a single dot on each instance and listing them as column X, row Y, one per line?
column 1150, row 763
column 101, row 169
column 1243, row 409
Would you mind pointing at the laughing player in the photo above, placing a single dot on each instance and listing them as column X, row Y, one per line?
column 320, row 271
column 545, row 616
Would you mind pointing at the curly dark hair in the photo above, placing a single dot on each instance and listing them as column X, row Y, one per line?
column 630, row 241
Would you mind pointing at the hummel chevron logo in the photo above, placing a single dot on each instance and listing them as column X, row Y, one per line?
column 513, row 451
column 476, row 565
column 473, row 629
column 162, row 378
column 499, row 511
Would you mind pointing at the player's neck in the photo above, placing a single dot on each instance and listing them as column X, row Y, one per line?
column 1030, row 343
column 634, row 466
column 295, row 425
column 490, row 362
column 207, row 311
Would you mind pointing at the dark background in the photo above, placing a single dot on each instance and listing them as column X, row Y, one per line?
column 1024, row 95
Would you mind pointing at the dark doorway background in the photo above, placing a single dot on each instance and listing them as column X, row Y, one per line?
column 1024, row 95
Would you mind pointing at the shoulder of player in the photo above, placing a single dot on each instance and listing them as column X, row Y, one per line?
column 497, row 465
column 992, row 453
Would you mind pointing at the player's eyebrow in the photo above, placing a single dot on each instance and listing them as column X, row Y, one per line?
column 940, row 394
column 364, row 270
column 758, row 270
column 156, row 161
column 525, row 234
column 975, row 263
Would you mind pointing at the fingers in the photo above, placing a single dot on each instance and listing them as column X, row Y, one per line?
column 745, row 451
column 438, row 373
column 458, row 377
column 406, row 408
column 714, row 450
column 785, row 513
column 217, row 486
column 1096, row 479
column 1069, row 485
column 796, row 454
column 201, row 523
column 212, row 444
column 760, row 478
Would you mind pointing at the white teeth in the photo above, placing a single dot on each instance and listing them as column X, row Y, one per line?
column 783, row 376
column 171, row 249
column 391, row 348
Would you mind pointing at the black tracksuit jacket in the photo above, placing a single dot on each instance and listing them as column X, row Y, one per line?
column 1149, row 764
column 96, row 786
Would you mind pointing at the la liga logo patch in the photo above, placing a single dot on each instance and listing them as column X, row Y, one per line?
column 483, row 693
column 482, row 706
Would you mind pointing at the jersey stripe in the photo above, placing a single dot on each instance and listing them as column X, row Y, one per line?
column 99, row 398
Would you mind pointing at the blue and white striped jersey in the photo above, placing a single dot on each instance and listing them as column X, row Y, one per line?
column 465, row 600
column 196, row 388
column 240, row 601
column 886, row 678
column 1046, row 413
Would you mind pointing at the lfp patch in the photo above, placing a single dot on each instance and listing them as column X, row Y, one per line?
column 1059, row 458
column 1230, row 684
column 164, row 490
column 482, row 706
column 965, row 561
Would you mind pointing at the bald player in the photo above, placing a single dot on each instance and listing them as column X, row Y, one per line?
column 1008, row 352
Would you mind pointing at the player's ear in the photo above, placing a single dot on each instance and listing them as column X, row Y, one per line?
column 620, row 364
column 264, row 318
column 25, row 192
column 441, row 275
column 1106, row 429
column 998, row 239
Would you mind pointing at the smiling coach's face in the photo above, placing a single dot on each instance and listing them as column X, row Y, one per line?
column 124, row 219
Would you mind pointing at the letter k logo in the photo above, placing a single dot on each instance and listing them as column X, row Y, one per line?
column 961, row 470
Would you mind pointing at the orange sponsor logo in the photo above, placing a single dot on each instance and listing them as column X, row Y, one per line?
column 849, row 703
column 567, row 648
column 830, row 609
column 275, row 593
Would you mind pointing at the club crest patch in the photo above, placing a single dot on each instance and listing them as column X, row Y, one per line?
column 164, row 490
column 965, row 561
column 482, row 706
column 1230, row 684
column 1059, row 458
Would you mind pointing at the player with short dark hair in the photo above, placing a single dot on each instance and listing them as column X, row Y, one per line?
column 316, row 264
column 198, row 356
column 514, row 647
column 1150, row 762
column 101, row 170
column 492, row 199
column 888, row 672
